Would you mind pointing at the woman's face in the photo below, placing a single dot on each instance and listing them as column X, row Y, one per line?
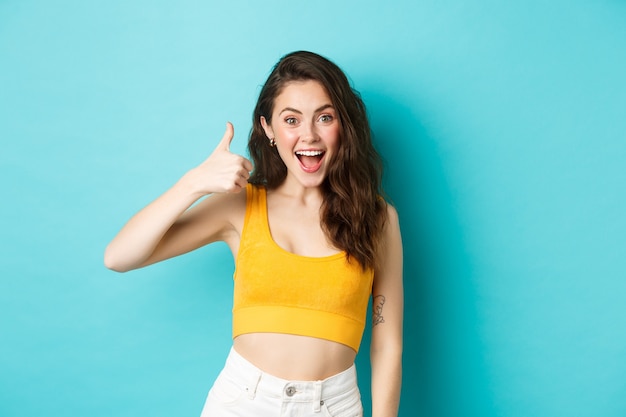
column 306, row 129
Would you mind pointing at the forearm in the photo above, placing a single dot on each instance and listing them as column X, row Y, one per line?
column 137, row 240
column 386, row 381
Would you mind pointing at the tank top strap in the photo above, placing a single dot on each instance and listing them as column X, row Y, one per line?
column 255, row 223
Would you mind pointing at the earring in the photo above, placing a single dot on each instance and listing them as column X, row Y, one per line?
column 272, row 142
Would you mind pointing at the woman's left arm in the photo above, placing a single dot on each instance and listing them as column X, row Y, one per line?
column 387, row 312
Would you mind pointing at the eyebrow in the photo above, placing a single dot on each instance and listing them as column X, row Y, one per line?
column 319, row 109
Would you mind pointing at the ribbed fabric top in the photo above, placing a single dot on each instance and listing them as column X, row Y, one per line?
column 280, row 292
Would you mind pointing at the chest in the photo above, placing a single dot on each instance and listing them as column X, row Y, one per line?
column 298, row 230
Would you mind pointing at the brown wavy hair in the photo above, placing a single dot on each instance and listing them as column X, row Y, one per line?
column 353, row 212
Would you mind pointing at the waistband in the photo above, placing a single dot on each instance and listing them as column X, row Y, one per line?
column 257, row 381
column 299, row 321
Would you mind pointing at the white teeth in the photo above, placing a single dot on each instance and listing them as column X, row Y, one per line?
column 309, row 153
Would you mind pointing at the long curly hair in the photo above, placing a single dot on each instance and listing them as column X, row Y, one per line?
column 353, row 212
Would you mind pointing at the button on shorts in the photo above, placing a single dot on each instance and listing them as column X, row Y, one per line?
column 243, row 390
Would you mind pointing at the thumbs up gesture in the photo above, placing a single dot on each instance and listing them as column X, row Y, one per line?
column 223, row 171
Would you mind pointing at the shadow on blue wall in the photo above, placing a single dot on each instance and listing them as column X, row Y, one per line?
column 442, row 353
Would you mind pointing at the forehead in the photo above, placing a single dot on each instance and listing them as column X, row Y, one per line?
column 302, row 95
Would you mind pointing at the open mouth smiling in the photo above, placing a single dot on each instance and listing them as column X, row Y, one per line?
column 310, row 160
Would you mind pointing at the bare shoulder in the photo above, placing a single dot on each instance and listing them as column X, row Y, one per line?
column 225, row 212
column 390, row 255
column 393, row 222
column 234, row 205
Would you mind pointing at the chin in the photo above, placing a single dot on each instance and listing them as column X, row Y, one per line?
column 312, row 184
column 310, row 181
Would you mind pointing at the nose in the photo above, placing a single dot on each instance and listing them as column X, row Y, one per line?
column 309, row 134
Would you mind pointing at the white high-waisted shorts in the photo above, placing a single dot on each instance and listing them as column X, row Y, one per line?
column 243, row 390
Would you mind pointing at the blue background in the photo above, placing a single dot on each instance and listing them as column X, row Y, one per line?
column 503, row 128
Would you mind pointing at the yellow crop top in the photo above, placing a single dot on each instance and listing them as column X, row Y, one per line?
column 281, row 292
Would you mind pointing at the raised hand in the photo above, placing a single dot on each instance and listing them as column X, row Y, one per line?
column 223, row 171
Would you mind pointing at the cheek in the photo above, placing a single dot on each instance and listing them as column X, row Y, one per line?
column 284, row 134
column 285, row 140
column 334, row 136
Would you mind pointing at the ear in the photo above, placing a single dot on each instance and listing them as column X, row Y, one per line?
column 269, row 132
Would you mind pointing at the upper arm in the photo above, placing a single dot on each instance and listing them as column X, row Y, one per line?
column 387, row 290
column 218, row 217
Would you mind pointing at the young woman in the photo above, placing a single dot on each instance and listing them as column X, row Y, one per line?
column 312, row 240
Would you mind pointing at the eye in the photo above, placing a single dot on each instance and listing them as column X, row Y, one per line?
column 325, row 118
column 291, row 120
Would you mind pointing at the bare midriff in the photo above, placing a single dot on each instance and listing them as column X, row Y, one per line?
column 292, row 357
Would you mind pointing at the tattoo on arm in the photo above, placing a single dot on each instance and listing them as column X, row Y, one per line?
column 377, row 310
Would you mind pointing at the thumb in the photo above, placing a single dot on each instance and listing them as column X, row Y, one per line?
column 228, row 137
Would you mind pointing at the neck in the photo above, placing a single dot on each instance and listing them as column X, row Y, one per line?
column 300, row 193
